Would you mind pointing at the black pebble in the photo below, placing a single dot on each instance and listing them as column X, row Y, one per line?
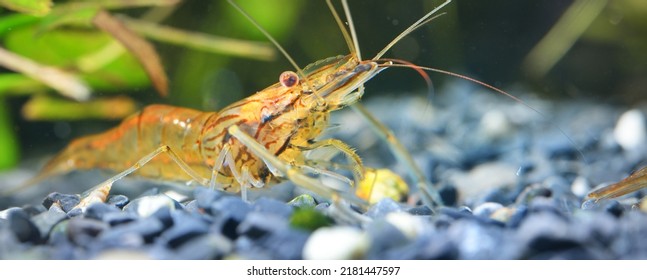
column 145, row 229
column 66, row 201
column 449, row 195
column 117, row 218
column 614, row 208
column 229, row 212
column 22, row 227
column 204, row 247
column 98, row 210
column 542, row 244
column 257, row 225
column 185, row 227
column 118, row 200
column 422, row 210
column 82, row 231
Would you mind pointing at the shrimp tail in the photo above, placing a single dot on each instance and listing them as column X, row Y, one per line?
column 75, row 156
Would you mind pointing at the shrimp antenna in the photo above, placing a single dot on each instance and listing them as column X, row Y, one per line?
column 349, row 41
column 517, row 99
column 276, row 44
column 422, row 21
column 351, row 26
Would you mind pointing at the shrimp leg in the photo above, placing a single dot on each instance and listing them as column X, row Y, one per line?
column 355, row 160
column 293, row 173
column 430, row 195
column 100, row 192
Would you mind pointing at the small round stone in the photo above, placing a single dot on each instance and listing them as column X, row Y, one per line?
column 336, row 243
column 631, row 131
column 147, row 205
column 409, row 225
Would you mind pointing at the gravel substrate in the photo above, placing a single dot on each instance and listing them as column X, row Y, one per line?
column 513, row 186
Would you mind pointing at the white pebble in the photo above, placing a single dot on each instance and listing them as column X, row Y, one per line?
column 630, row 131
column 580, row 186
column 146, row 206
column 495, row 124
column 336, row 243
column 408, row 224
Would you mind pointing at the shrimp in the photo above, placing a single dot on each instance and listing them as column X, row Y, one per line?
column 256, row 142
column 635, row 181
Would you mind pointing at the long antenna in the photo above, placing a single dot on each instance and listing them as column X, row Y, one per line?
column 278, row 46
column 344, row 32
column 423, row 20
column 351, row 26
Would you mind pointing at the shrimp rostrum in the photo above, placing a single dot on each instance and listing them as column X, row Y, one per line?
column 253, row 143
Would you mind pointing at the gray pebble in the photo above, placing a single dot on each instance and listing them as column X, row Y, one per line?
column 286, row 244
column 47, row 220
column 204, row 197
column 384, row 236
column 383, row 207
column 272, row 206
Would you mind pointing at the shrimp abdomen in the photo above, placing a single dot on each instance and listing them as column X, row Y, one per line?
column 138, row 135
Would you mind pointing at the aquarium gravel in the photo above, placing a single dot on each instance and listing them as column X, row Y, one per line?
column 513, row 186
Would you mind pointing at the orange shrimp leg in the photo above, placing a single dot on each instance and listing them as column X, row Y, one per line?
column 340, row 199
column 100, row 192
column 634, row 182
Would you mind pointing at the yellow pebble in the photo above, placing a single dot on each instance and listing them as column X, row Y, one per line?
column 381, row 183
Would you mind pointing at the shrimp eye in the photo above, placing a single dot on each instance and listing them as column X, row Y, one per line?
column 288, row 79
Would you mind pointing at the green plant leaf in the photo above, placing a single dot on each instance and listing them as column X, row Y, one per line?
column 9, row 152
column 18, row 84
column 32, row 7
column 48, row 108
column 65, row 48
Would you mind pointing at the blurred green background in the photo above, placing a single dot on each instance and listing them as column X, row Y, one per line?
column 596, row 51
